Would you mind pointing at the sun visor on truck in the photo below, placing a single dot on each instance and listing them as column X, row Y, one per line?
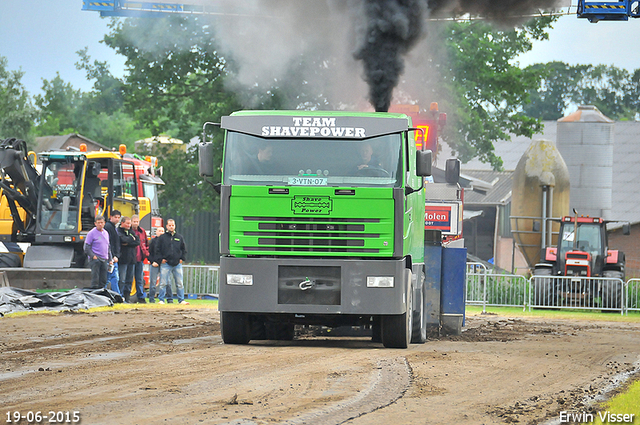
column 314, row 126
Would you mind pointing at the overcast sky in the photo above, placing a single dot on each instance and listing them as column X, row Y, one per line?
column 43, row 36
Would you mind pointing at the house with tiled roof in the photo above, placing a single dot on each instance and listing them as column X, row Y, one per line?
column 48, row 143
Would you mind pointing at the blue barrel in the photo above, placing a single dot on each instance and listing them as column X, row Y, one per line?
column 452, row 301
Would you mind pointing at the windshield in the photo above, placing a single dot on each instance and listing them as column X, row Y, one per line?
column 313, row 162
column 59, row 209
column 151, row 191
column 589, row 238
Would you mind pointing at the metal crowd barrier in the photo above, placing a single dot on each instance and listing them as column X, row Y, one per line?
column 605, row 294
column 485, row 288
column 201, row 280
column 476, row 288
column 632, row 294
column 545, row 291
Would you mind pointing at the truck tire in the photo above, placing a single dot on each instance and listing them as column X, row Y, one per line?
column 419, row 331
column 544, row 291
column 235, row 327
column 396, row 329
column 611, row 292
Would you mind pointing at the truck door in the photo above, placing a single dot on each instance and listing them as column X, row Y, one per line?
column 124, row 188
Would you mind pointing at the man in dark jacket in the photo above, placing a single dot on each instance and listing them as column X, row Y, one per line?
column 129, row 242
column 173, row 251
column 142, row 253
column 114, row 277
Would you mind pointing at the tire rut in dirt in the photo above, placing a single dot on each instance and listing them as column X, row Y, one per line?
column 387, row 386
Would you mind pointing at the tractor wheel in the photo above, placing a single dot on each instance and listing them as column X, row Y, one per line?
column 235, row 327
column 396, row 329
column 8, row 259
column 611, row 292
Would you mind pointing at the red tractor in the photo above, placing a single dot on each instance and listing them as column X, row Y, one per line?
column 582, row 253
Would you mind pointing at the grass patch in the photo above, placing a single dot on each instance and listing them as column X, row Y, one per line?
column 587, row 315
column 623, row 403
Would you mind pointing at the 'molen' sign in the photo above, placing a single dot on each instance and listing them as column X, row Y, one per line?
column 443, row 217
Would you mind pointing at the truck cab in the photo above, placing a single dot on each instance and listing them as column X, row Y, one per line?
column 321, row 221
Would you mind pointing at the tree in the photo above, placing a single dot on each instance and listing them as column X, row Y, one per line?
column 555, row 92
column 613, row 90
column 16, row 111
column 98, row 114
column 484, row 90
column 175, row 77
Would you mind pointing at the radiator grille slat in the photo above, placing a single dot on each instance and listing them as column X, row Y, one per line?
column 330, row 235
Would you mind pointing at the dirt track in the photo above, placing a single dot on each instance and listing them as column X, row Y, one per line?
column 168, row 365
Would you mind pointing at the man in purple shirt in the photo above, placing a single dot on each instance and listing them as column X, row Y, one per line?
column 97, row 247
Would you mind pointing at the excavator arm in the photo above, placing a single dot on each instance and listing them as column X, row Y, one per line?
column 19, row 183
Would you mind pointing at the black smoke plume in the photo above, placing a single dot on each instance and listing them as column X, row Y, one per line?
column 393, row 27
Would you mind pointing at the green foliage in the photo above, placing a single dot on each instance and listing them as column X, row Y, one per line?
column 98, row 115
column 16, row 111
column 175, row 77
column 485, row 90
column 614, row 91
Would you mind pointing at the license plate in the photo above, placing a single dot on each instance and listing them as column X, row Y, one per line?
column 307, row 181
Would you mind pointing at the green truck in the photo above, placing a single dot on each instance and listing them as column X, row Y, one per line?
column 321, row 223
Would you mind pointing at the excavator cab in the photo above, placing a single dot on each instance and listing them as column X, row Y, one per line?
column 596, row 11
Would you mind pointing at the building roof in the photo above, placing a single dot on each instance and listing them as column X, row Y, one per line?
column 626, row 157
column 47, row 143
column 488, row 187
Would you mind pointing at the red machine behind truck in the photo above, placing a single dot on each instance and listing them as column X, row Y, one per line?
column 582, row 252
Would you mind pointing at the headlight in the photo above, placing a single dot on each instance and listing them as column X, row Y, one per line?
column 379, row 281
column 240, row 279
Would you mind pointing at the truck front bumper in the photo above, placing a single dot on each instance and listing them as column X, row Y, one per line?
column 312, row 286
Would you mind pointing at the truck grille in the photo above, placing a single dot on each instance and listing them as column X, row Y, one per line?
column 295, row 234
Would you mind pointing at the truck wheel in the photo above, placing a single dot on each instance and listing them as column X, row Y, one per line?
column 419, row 331
column 235, row 327
column 611, row 292
column 396, row 329
column 544, row 291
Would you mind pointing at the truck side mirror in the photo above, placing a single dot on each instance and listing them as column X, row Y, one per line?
column 423, row 163
column 626, row 229
column 452, row 171
column 205, row 159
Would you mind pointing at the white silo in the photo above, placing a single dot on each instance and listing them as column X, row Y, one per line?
column 585, row 141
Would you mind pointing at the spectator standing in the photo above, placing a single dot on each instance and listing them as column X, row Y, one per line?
column 96, row 246
column 154, row 263
column 142, row 253
column 173, row 251
column 129, row 242
column 114, row 277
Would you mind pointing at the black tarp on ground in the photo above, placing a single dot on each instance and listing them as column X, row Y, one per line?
column 13, row 300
